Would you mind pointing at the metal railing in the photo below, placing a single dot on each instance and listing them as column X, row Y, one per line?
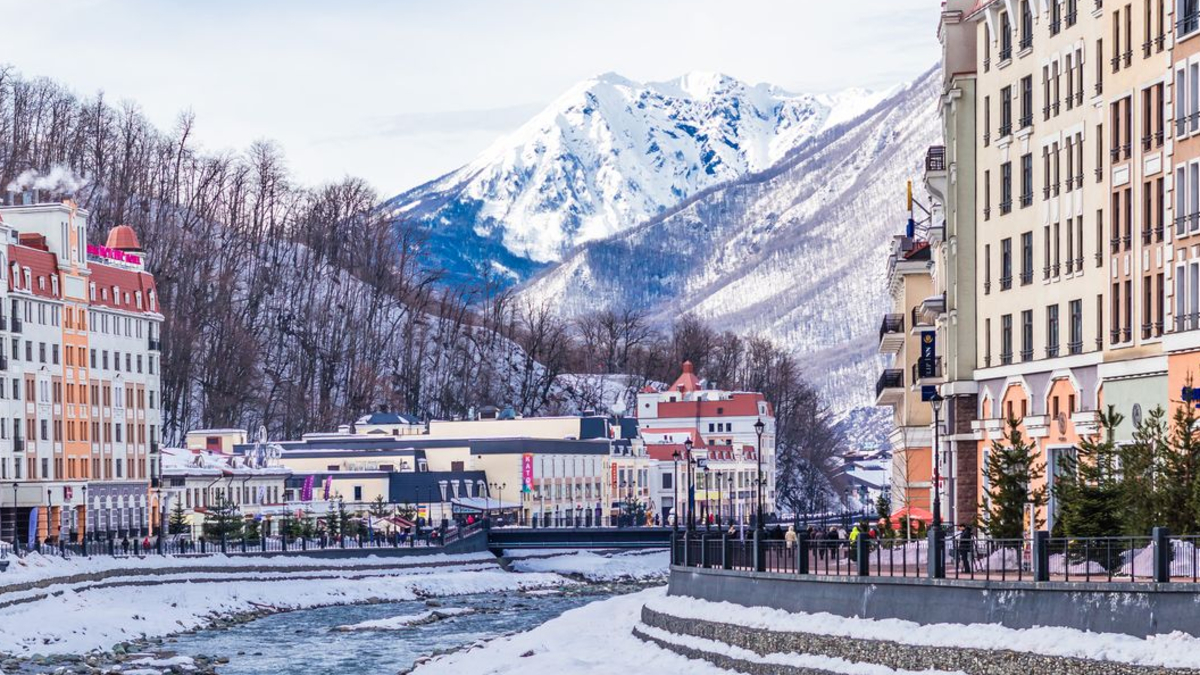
column 935, row 158
column 1158, row 558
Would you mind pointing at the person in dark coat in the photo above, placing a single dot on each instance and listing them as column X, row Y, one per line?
column 966, row 547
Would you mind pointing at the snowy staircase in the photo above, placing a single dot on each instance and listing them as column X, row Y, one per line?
column 768, row 652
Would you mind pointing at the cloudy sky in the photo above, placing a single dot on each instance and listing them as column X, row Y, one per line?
column 401, row 91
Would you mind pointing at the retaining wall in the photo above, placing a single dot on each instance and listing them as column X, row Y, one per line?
column 1138, row 609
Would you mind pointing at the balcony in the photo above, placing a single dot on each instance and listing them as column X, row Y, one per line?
column 919, row 320
column 154, row 345
column 891, row 334
column 927, row 371
column 889, row 389
column 18, row 326
column 936, row 177
column 18, row 444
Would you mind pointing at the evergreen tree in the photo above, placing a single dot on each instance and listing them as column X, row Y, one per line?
column 883, row 508
column 407, row 512
column 252, row 530
column 1181, row 460
column 379, row 508
column 1088, row 488
column 223, row 518
column 1141, row 468
column 1012, row 468
column 177, row 521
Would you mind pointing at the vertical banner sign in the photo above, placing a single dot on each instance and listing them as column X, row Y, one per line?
column 928, row 354
column 614, row 477
column 307, row 490
column 33, row 525
column 328, row 486
column 526, row 472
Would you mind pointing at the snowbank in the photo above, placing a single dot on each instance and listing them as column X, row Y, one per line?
column 34, row 566
column 1175, row 650
column 595, row 638
column 76, row 622
column 635, row 566
column 406, row 620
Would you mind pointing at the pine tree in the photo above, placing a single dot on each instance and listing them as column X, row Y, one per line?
column 1180, row 463
column 333, row 519
column 1142, row 465
column 1088, row 488
column 379, row 508
column 883, row 508
column 223, row 519
column 1012, row 468
column 177, row 521
column 252, row 530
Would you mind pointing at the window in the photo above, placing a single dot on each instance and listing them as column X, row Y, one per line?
column 1187, row 17
column 1005, row 264
column 1051, row 331
column 1005, row 37
column 1026, row 180
column 1006, row 95
column 987, row 194
column 987, row 269
column 1075, row 346
column 1027, row 335
column 987, row 120
column 1026, row 25
column 1026, row 258
column 1026, row 101
column 1006, row 187
column 1006, row 339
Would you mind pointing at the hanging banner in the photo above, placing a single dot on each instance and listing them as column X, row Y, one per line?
column 526, row 472
column 328, row 487
column 307, row 490
column 33, row 525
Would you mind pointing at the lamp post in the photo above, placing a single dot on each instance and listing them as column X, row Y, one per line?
column 16, row 518
column 675, row 486
column 936, row 403
column 691, row 507
column 707, row 515
column 732, row 514
column 758, row 430
column 720, row 502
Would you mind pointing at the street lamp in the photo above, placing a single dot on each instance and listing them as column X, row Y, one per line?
column 707, row 486
column 732, row 514
column 758, row 429
column 16, row 519
column 936, row 403
column 687, row 457
column 675, row 486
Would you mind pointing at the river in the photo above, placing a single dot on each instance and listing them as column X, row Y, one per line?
column 305, row 642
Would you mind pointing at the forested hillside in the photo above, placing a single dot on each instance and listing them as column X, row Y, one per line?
column 300, row 308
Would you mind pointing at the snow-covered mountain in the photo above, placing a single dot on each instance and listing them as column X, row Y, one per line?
column 607, row 155
column 796, row 252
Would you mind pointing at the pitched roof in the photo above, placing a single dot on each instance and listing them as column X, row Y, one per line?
column 687, row 381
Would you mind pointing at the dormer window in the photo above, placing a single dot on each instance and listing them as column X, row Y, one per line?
column 41, row 283
column 54, row 286
column 137, row 299
column 153, row 302
column 28, row 278
column 92, row 292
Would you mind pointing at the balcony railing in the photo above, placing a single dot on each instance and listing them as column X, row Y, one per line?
column 892, row 378
column 1187, row 25
column 918, row 320
column 18, row 444
column 1075, row 347
column 891, row 331
column 925, row 369
column 154, row 345
column 18, row 326
column 935, row 158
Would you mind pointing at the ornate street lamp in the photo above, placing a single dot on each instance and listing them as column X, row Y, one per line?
column 675, row 487
column 758, row 429
column 687, row 457
column 936, row 403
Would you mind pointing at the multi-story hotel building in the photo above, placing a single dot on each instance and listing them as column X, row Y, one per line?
column 80, row 391
column 903, row 334
column 720, row 426
column 950, row 181
column 1182, row 341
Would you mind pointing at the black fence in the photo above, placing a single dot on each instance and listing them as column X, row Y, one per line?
column 1157, row 558
column 179, row 546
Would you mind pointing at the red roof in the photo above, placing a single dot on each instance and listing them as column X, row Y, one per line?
column 123, row 237
column 127, row 283
column 743, row 404
column 42, row 265
column 687, row 379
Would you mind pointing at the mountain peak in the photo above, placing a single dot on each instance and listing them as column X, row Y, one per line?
column 611, row 153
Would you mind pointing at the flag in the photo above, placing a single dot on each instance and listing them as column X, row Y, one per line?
column 328, row 486
column 306, row 491
column 33, row 526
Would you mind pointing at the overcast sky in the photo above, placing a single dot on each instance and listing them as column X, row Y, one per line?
column 399, row 92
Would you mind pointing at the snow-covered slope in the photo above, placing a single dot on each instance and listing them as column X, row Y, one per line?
column 795, row 253
column 607, row 155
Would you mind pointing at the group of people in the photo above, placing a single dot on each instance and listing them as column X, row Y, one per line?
column 963, row 542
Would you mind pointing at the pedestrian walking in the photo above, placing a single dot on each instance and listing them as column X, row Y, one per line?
column 966, row 546
column 790, row 537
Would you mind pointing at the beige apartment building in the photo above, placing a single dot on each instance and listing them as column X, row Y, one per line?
column 950, row 181
column 899, row 386
column 1043, row 172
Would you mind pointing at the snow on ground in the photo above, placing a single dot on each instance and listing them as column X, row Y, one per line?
column 406, row 620
column 34, row 566
column 628, row 565
column 595, row 639
column 1175, row 650
column 76, row 622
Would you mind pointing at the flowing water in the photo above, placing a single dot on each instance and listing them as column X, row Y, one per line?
column 304, row 642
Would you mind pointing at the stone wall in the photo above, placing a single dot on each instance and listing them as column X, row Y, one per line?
column 1138, row 609
column 893, row 655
